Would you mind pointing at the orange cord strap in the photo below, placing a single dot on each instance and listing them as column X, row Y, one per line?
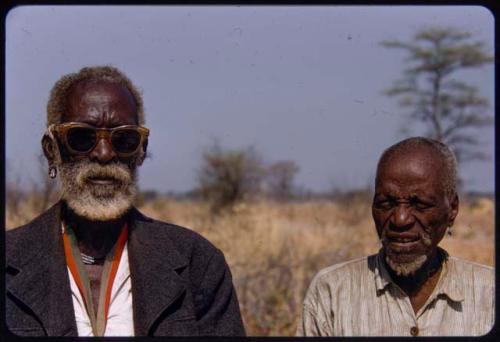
column 79, row 273
column 71, row 263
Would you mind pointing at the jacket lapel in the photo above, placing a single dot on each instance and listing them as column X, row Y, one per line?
column 155, row 266
column 42, row 282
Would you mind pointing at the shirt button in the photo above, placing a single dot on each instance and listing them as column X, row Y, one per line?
column 414, row 331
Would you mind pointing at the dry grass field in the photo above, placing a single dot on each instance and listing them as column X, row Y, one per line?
column 274, row 249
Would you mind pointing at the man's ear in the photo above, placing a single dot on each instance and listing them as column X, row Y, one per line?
column 454, row 204
column 48, row 148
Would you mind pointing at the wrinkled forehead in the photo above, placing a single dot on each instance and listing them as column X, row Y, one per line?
column 417, row 161
column 90, row 93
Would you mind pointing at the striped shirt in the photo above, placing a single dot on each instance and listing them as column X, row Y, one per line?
column 358, row 298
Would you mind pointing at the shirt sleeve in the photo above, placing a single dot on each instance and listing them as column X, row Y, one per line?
column 317, row 315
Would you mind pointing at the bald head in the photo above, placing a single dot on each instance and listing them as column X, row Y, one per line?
column 427, row 151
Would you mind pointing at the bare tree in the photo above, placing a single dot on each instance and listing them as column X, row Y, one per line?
column 227, row 176
column 14, row 197
column 279, row 179
column 44, row 189
column 24, row 203
column 452, row 110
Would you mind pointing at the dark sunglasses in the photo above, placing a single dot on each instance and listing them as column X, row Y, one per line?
column 81, row 138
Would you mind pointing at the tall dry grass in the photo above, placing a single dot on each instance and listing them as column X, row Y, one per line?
column 274, row 249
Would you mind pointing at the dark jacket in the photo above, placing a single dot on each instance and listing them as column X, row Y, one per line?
column 181, row 284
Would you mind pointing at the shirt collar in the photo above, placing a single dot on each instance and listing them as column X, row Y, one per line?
column 382, row 277
column 449, row 283
column 123, row 271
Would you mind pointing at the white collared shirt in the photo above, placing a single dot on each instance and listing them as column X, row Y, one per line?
column 120, row 316
column 358, row 298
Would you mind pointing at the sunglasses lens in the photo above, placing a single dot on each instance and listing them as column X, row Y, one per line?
column 125, row 140
column 81, row 139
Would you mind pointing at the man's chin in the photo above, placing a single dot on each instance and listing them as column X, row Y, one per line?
column 100, row 208
column 405, row 265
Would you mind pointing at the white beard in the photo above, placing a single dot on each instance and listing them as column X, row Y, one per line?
column 94, row 201
column 407, row 268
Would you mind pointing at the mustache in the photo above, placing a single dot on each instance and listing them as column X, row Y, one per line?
column 119, row 172
column 83, row 170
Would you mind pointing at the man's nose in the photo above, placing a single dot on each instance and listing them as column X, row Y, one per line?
column 402, row 217
column 103, row 152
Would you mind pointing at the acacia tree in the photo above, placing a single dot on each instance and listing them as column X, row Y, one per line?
column 452, row 110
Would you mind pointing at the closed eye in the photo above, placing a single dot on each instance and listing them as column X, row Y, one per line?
column 419, row 204
column 384, row 204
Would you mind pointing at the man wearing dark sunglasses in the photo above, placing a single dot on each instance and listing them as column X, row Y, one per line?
column 92, row 265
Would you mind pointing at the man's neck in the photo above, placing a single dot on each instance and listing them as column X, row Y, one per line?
column 414, row 282
column 95, row 238
column 419, row 286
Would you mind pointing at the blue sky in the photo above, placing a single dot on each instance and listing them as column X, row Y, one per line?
column 297, row 83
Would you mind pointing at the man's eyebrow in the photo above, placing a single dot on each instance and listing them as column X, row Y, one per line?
column 84, row 121
column 423, row 196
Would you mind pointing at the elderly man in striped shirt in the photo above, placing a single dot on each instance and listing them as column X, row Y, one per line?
column 411, row 287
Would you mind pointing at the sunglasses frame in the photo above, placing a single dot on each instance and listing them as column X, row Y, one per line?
column 101, row 133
